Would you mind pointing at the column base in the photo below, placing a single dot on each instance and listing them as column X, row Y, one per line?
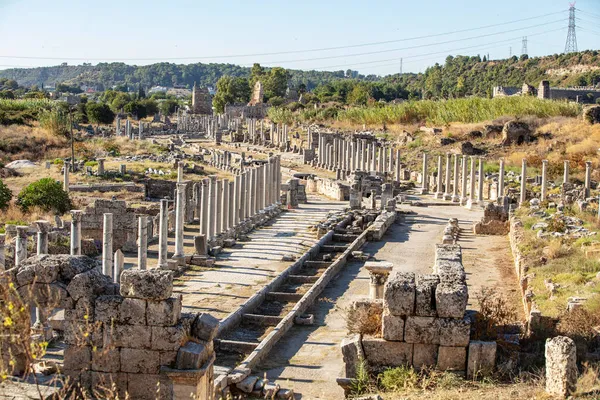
column 424, row 191
column 455, row 198
column 447, row 196
column 180, row 259
column 481, row 203
column 438, row 195
column 470, row 203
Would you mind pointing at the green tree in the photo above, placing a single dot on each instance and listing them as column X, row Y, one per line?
column 276, row 83
column 359, row 95
column 5, row 196
column 47, row 194
column 100, row 113
column 168, row 106
column 231, row 90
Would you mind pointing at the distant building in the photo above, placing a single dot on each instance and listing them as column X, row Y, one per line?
column 201, row 101
column 578, row 94
column 158, row 89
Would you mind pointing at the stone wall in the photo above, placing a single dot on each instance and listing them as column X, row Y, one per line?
column 125, row 223
column 328, row 187
column 107, row 187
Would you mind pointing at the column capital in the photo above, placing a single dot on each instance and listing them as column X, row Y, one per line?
column 22, row 231
column 42, row 226
column 76, row 215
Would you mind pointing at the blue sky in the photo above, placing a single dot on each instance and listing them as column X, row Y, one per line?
column 143, row 32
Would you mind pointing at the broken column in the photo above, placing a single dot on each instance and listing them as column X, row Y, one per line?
column 501, row 180
column 561, row 367
column 523, row 193
column 480, row 184
column 43, row 227
column 544, row 180
column 142, row 241
column 424, row 177
column 566, row 172
column 447, row 195
column 455, row 197
column 2, row 252
column 76, row 216
column 100, row 166
column 179, row 222
column 438, row 192
column 21, row 245
column 588, row 175
column 163, row 233
column 66, row 176
column 107, row 245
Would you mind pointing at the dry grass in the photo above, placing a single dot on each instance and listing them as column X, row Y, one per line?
column 364, row 320
column 18, row 142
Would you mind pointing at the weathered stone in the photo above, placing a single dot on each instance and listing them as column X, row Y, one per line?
column 168, row 358
column 451, row 300
column 132, row 336
column 454, row 332
column 145, row 387
column 205, row 327
column 152, row 284
column 423, row 330
column 247, row 385
column 381, row 352
column 191, row 356
column 481, row 359
column 561, row 367
column 106, row 359
column 78, row 358
column 452, row 358
column 352, row 354
column 451, row 271
column 168, row 338
column 140, row 361
column 88, row 284
column 392, row 327
column 515, row 132
column 163, row 312
column 107, row 308
column 425, row 295
column 425, row 355
column 104, row 384
column 132, row 312
column 399, row 293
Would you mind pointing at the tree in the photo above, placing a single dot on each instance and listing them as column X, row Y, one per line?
column 5, row 196
column 100, row 113
column 276, row 83
column 168, row 106
column 359, row 95
column 47, row 194
column 141, row 93
column 231, row 90
column 257, row 73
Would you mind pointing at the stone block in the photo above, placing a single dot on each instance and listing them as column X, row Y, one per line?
column 105, row 383
column 88, row 284
column 132, row 312
column 169, row 338
column 247, row 385
column 561, row 367
column 149, row 387
column 452, row 358
column 163, row 312
column 352, row 354
column 106, row 359
column 425, row 295
column 481, row 359
column 78, row 358
column 380, row 352
column 107, row 308
column 152, row 284
column 140, row 361
column 132, row 336
column 191, row 356
column 392, row 327
column 425, row 355
column 167, row 358
column 451, row 271
column 423, row 330
column 205, row 327
column 454, row 332
column 451, row 300
column 399, row 293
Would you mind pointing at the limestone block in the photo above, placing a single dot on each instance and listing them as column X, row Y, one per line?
column 132, row 312
column 381, row 352
column 352, row 354
column 145, row 387
column 35, row 269
column 451, row 299
column 106, row 359
column 140, row 361
column 79, row 377
column 168, row 338
column 163, row 312
column 83, row 310
column 421, row 330
column 78, row 358
column 205, row 327
column 454, row 332
column 152, row 284
column 425, row 355
column 191, row 356
column 447, row 252
column 399, row 293
column 167, row 358
column 451, row 271
column 425, row 295
column 104, row 383
column 88, row 284
column 481, row 359
column 107, row 308
column 132, row 336
column 247, row 385
column 392, row 327
column 452, row 358
column 561, row 368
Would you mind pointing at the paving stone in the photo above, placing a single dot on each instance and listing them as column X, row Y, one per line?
column 399, row 293
column 423, row 330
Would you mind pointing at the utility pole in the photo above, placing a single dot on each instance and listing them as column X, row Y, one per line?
column 400, row 66
column 571, row 45
column 510, row 52
column 524, row 46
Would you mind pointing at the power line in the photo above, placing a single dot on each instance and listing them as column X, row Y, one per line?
column 588, row 13
column 571, row 44
column 299, row 51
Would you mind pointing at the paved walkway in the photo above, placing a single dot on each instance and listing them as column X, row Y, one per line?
column 309, row 358
column 244, row 269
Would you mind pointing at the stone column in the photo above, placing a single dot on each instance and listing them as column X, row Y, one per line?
column 21, row 245
column 471, row 198
column 463, row 191
column 566, row 172
column 378, row 272
column 163, row 233
column 100, row 166
column 41, row 325
column 76, row 216
column 243, row 206
column 179, row 223
column 143, row 242
column 278, row 178
column 588, row 178
column 523, row 194
column 119, row 265
column 425, row 176
column 439, row 193
column 180, row 171
column 42, row 236
column 225, row 206
column 455, row 198
column 107, row 245
column 390, row 160
column 480, row 184
column 373, row 157
column 501, row 180
column 447, row 195
column 544, row 180
column 397, row 176
column 230, row 205
column 381, row 162
column 66, row 176
column 2, row 252
column 250, row 190
column 212, row 208
column 218, row 207
column 267, row 184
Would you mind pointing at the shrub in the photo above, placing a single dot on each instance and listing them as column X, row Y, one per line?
column 364, row 320
column 362, row 381
column 47, row 194
column 494, row 316
column 397, row 379
column 5, row 196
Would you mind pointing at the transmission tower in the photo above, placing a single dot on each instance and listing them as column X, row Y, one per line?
column 510, row 52
column 524, row 46
column 571, row 45
column 400, row 66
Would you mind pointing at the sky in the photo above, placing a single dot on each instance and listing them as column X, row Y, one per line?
column 308, row 34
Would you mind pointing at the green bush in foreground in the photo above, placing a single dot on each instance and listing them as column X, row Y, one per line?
column 5, row 196
column 47, row 194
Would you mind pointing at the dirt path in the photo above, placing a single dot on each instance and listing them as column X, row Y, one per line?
column 309, row 360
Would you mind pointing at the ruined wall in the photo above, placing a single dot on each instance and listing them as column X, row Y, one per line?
column 331, row 188
column 246, row 111
column 125, row 223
